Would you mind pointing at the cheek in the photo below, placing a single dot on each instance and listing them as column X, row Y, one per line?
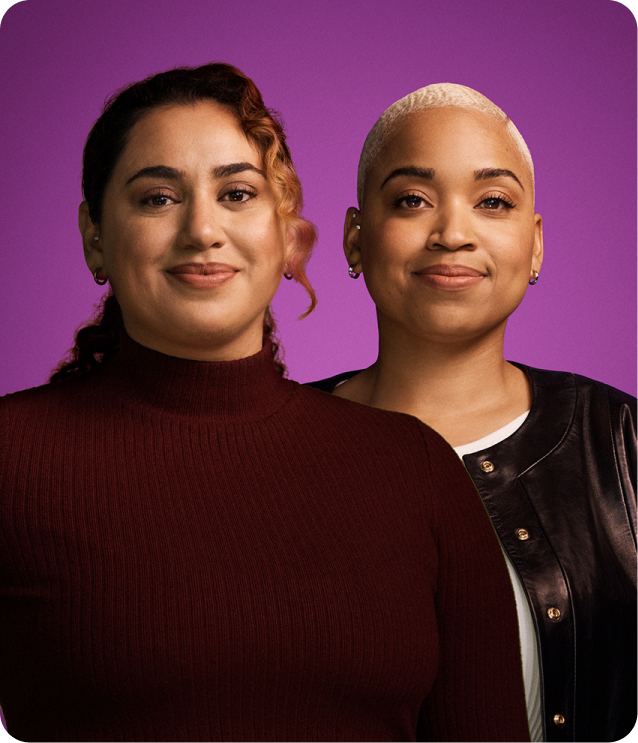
column 384, row 274
column 521, row 256
column 510, row 249
column 399, row 237
column 264, row 242
column 385, row 255
column 131, row 243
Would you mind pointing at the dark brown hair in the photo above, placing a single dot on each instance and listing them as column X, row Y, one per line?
column 98, row 341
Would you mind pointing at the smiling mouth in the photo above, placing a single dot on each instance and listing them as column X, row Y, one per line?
column 202, row 269
column 203, row 275
column 449, row 276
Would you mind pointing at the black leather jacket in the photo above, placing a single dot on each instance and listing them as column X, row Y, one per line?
column 561, row 493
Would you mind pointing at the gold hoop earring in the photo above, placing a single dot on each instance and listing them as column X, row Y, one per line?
column 99, row 282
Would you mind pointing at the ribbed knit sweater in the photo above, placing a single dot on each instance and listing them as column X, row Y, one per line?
column 195, row 551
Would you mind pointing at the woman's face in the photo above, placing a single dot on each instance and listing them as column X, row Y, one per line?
column 189, row 237
column 448, row 238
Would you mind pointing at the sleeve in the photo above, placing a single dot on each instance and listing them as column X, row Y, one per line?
column 623, row 414
column 478, row 693
column 4, row 438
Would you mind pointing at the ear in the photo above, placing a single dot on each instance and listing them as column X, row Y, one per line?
column 352, row 239
column 537, row 254
column 89, row 231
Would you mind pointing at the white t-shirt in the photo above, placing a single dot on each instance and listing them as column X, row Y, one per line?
column 527, row 634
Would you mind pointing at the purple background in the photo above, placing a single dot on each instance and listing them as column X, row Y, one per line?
column 564, row 71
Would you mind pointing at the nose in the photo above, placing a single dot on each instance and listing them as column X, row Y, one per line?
column 452, row 228
column 202, row 225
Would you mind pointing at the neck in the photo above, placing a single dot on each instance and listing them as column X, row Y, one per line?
column 202, row 346
column 464, row 390
column 454, row 375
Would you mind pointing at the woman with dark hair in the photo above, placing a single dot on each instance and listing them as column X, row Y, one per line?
column 193, row 547
column 96, row 343
column 448, row 241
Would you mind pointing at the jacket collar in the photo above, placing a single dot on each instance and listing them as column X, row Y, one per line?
column 554, row 396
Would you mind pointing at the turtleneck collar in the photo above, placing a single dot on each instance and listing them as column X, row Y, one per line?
column 244, row 389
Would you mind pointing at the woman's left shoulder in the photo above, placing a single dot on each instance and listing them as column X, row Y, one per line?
column 586, row 388
column 596, row 389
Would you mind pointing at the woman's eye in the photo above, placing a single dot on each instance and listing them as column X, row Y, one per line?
column 157, row 200
column 238, row 195
column 412, row 201
column 495, row 203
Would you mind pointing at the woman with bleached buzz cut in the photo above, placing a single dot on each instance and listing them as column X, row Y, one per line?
column 448, row 242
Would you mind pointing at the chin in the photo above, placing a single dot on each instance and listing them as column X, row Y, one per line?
column 462, row 331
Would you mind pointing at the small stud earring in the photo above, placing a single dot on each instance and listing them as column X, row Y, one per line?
column 352, row 273
column 96, row 238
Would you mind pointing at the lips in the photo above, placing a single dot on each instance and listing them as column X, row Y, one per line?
column 449, row 276
column 203, row 275
column 444, row 269
column 202, row 269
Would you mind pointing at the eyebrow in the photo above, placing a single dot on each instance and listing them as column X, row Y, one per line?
column 225, row 170
column 425, row 173
column 488, row 173
column 164, row 171
column 156, row 171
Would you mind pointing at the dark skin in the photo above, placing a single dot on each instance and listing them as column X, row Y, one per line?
column 447, row 240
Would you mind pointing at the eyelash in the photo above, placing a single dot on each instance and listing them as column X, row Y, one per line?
column 243, row 190
column 507, row 203
column 397, row 203
column 146, row 201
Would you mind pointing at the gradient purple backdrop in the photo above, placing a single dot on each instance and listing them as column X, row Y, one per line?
column 564, row 71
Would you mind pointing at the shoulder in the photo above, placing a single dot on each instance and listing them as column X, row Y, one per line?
column 38, row 395
column 588, row 392
column 379, row 431
column 594, row 390
column 23, row 401
column 34, row 406
column 388, row 447
column 570, row 409
column 25, row 417
column 329, row 383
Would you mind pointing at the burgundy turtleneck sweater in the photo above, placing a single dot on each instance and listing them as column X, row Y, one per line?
column 195, row 551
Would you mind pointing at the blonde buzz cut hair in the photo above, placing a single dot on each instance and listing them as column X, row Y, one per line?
column 438, row 95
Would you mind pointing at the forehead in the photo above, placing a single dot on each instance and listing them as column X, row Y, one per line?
column 450, row 138
column 188, row 133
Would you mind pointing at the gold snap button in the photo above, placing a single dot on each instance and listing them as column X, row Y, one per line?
column 487, row 467
column 559, row 720
column 554, row 615
column 522, row 534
